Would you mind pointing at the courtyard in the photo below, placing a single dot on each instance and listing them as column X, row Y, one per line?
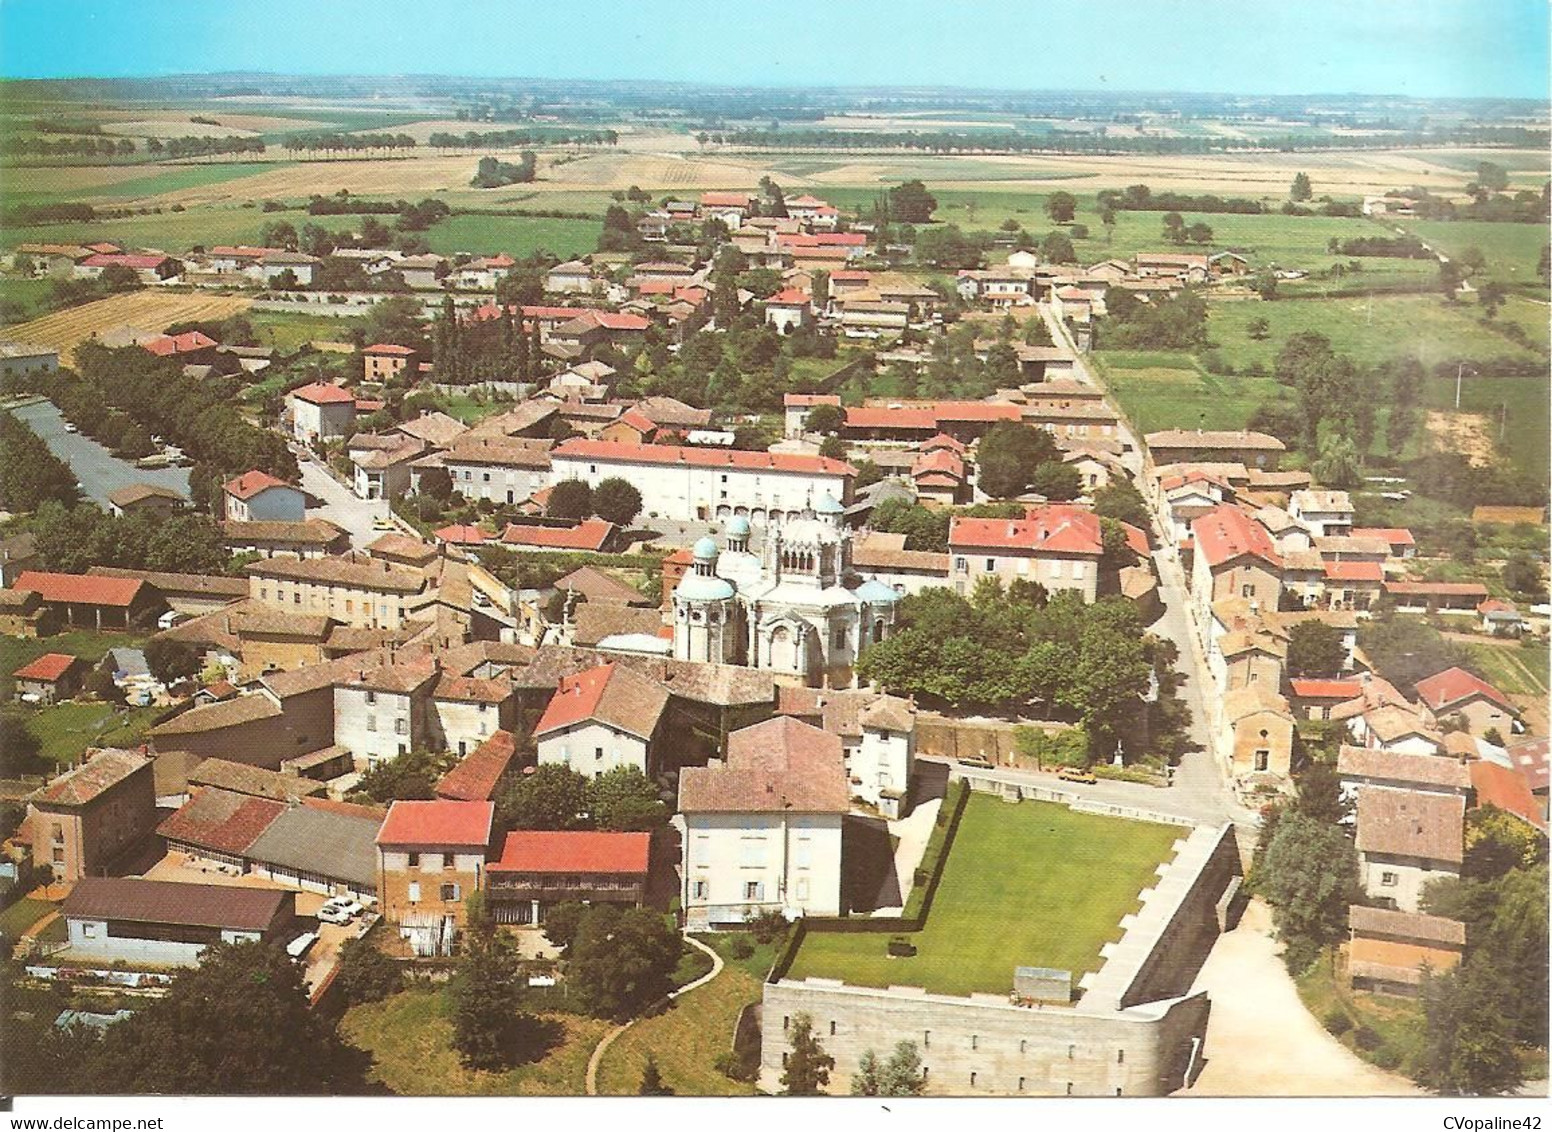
column 1032, row 884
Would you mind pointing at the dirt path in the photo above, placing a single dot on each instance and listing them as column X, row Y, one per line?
column 1261, row 1041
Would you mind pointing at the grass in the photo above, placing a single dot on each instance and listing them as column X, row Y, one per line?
column 686, row 1039
column 1179, row 394
column 84, row 643
column 1519, row 406
column 1398, row 1022
column 1512, row 668
column 1030, row 884
column 66, row 730
column 30, row 294
column 22, row 915
column 165, row 180
column 170, row 231
column 288, row 332
column 1511, row 250
column 518, row 236
column 410, row 1039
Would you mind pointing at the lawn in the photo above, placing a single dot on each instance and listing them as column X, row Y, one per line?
column 410, row 1039
column 1178, row 394
column 66, row 730
column 1032, row 884
column 516, row 235
column 30, row 294
column 22, row 915
column 288, row 332
column 1511, row 250
column 89, row 645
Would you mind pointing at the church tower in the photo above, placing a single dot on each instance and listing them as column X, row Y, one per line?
column 706, row 624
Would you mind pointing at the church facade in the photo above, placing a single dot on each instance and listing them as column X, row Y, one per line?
column 797, row 608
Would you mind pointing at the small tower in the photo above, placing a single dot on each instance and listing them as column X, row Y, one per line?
column 705, row 614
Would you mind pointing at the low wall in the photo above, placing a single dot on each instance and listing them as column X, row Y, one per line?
column 983, row 783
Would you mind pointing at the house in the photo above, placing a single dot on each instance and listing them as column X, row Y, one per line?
column 763, row 828
column 872, row 318
column 1407, row 838
column 1390, row 952
column 352, row 589
column 687, row 484
column 93, row 601
column 789, row 310
column 23, row 614
column 1314, row 699
column 484, row 273
column 1480, row 706
column 882, row 557
column 1057, row 545
column 430, row 857
column 539, row 869
column 1233, row 556
column 469, row 710
column 258, row 496
column 144, row 498
column 594, row 535
column 381, row 465
column 167, row 923
column 385, row 361
column 1258, row 744
column 631, row 427
column 1399, row 539
column 1361, row 767
column 600, row 719
column 878, row 743
column 151, row 268
column 49, row 679
column 479, row 775
column 423, row 272
column 1351, row 585
column 728, row 207
column 85, row 821
column 570, row 278
column 939, row 477
column 193, row 347
column 320, row 411
column 1322, row 513
column 1500, row 618
column 1188, row 446
column 796, row 407
column 385, row 711
column 1397, row 727
column 270, row 538
column 1227, row 265
column 1184, row 268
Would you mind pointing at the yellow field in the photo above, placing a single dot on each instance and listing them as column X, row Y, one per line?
column 147, row 312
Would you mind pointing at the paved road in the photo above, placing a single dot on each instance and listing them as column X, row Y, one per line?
column 341, row 506
column 98, row 470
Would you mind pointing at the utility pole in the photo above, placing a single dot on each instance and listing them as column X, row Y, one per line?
column 1460, row 369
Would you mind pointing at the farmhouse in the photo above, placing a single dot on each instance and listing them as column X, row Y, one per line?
column 320, row 411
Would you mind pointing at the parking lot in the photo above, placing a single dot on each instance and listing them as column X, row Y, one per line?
column 98, row 470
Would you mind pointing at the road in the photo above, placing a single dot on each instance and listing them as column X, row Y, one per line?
column 340, row 505
column 98, row 470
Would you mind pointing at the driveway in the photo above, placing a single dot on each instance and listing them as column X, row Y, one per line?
column 1261, row 1041
column 98, row 470
column 340, row 505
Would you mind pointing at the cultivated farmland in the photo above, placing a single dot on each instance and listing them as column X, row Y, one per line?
column 147, row 312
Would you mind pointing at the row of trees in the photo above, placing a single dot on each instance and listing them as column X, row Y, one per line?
column 512, row 139
column 336, row 142
column 31, row 475
column 464, row 351
column 1141, row 198
column 614, row 500
column 74, row 539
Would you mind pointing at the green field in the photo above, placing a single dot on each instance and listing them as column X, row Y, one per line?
column 30, row 294
column 1515, row 412
column 90, row 646
column 169, row 231
column 1032, row 884
column 410, row 1039
column 288, row 332
column 1368, row 330
column 1169, row 390
column 160, row 179
column 1511, row 250
column 1519, row 670
column 65, row 731
column 516, row 235
column 22, row 915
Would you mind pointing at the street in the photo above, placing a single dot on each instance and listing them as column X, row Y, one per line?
column 340, row 505
column 98, row 470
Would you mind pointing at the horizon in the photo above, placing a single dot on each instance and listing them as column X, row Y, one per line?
column 1434, row 49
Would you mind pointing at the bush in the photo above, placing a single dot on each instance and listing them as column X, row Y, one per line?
column 1366, row 1039
column 901, row 947
column 741, row 947
column 736, row 1068
column 768, row 926
column 1386, row 1058
column 1337, row 1022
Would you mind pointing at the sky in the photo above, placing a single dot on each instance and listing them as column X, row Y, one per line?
column 1422, row 48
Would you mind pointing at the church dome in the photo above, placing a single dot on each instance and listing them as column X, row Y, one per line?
column 738, row 527
column 875, row 592
column 705, row 548
column 827, row 505
column 701, row 587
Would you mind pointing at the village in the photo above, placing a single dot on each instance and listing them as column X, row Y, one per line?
column 529, row 611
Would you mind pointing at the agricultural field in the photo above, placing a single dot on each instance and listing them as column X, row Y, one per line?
column 1511, row 250
column 1509, row 414
column 172, row 232
column 288, row 332
column 1055, row 882
column 518, row 236
column 145, row 311
column 30, row 297
column 1158, row 390
column 164, row 178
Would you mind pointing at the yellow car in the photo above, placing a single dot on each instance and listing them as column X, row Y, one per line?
column 1076, row 774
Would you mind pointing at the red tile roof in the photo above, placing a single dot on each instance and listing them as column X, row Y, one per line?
column 440, row 822
column 546, row 851
column 168, row 345
column 1325, row 689
column 1056, row 529
column 475, row 778
column 1443, row 689
column 461, row 534
column 1507, row 789
column 1354, row 571
column 580, row 449
column 50, row 666
column 249, row 484
column 590, row 534
column 807, row 400
column 726, row 200
column 1438, row 589
column 223, row 820
column 1136, row 539
column 322, row 393
column 638, row 421
column 81, row 589
column 791, row 297
column 618, row 697
column 1226, row 533
column 389, row 350
column 781, row 765
column 863, row 416
column 138, row 262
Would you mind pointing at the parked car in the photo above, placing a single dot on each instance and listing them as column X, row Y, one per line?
column 383, row 523
column 976, row 761
column 301, row 945
column 1076, row 774
column 70, row 427
column 339, row 910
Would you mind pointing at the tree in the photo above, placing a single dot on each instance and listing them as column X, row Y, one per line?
column 825, row 419
column 651, row 1080
column 624, row 799
column 1468, row 1047
column 1315, row 649
column 808, row 1066
column 1491, row 296
column 1407, row 649
column 239, row 1023
column 366, row 974
column 1120, row 500
column 1522, row 574
column 491, row 1030
column 1492, row 176
column 570, row 499
column 1498, row 842
column 616, row 501
column 552, row 797
column 1449, row 278
column 1258, row 328
column 622, row 960
column 120, row 277
column 1008, row 456
column 1339, row 464
column 1309, row 877
column 1061, row 207
column 410, row 776
column 1300, row 189
column 1200, row 233
column 437, row 483
column 1057, row 248
column 833, row 448
column 1056, row 480
column 20, row 749
column 170, row 660
column 562, row 921
column 911, row 203
column 900, row 1076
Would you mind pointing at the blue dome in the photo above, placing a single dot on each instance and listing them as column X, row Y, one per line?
column 827, row 505
column 697, row 587
column 875, row 592
column 738, row 527
column 705, row 547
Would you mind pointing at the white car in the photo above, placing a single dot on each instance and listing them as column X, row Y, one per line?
column 339, row 910
column 69, row 427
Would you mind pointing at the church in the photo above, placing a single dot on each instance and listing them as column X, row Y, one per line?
column 797, row 609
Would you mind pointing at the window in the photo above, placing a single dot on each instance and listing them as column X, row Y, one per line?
column 972, row 1080
column 598, row 752
column 1247, row 590
column 926, row 1039
column 401, row 727
column 802, row 889
column 1021, row 1085
column 449, row 892
column 975, row 1041
column 698, row 890
column 414, row 860
column 1389, row 879
column 832, row 1027
column 1120, row 1057
column 296, row 598
column 59, row 854
column 89, row 931
column 991, row 565
column 754, row 890
column 414, row 893
column 1069, row 1088
column 1022, row 1044
column 961, row 565
column 371, row 697
column 1071, row 1050
column 1263, row 759
column 371, row 723
column 838, row 639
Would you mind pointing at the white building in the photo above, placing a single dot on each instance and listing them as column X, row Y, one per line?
column 1407, row 838
column 468, row 710
column 1322, row 513
column 601, row 719
column 763, row 829
column 690, row 484
column 164, row 923
column 20, row 358
column 383, row 712
column 320, row 411
column 798, row 608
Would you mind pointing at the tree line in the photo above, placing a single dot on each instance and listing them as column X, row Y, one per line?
column 511, row 139
column 492, row 173
column 1140, row 198
column 336, row 142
